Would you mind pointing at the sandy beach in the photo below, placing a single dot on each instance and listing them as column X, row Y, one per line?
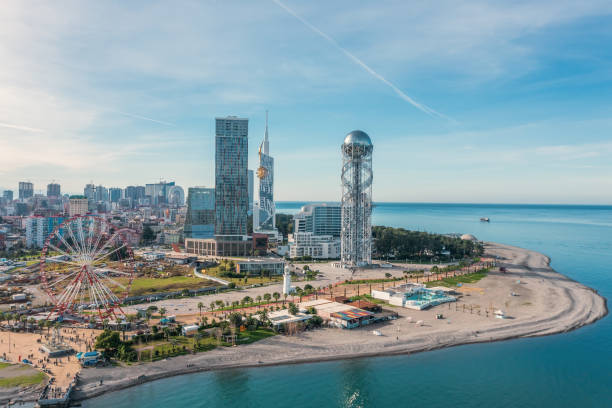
column 544, row 302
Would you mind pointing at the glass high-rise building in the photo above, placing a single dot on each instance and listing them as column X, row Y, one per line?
column 115, row 194
column 26, row 190
column 200, row 219
column 54, row 190
column 8, row 195
column 231, row 179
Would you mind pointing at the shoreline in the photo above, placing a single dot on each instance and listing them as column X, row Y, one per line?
column 564, row 303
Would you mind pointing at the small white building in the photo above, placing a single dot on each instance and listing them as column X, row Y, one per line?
column 315, row 246
column 190, row 330
column 281, row 317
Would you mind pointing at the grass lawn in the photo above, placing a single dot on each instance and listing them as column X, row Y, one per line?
column 163, row 348
column 452, row 282
column 22, row 380
column 248, row 337
column 3, row 365
column 143, row 286
column 251, row 280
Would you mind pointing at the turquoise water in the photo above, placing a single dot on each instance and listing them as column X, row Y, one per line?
column 566, row 370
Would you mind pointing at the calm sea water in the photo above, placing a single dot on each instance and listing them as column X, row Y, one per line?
column 565, row 370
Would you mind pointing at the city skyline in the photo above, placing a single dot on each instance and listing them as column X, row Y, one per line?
column 483, row 103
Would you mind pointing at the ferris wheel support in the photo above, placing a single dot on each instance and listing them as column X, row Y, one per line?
column 82, row 279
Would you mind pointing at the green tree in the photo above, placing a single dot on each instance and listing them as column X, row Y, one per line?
column 147, row 234
column 267, row 297
column 235, row 319
column 200, row 306
column 162, row 312
column 293, row 309
column 276, row 296
column 108, row 341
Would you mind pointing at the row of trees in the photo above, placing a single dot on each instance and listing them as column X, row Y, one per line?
column 16, row 317
column 399, row 243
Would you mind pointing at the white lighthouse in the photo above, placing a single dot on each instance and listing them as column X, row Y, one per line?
column 287, row 289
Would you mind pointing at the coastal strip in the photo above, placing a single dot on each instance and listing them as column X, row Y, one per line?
column 537, row 300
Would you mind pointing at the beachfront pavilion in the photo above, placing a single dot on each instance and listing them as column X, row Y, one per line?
column 282, row 317
column 352, row 318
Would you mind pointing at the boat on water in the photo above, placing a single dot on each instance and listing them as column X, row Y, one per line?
column 485, row 219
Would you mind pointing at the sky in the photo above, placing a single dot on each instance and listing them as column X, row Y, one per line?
column 480, row 101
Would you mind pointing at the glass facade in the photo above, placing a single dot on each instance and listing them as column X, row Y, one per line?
column 231, row 179
column 200, row 219
column 319, row 219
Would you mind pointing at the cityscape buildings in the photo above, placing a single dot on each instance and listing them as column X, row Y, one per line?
column 115, row 194
column 90, row 192
column 38, row 228
column 53, row 190
column 158, row 192
column 356, row 235
column 316, row 231
column 26, row 190
column 7, row 195
column 175, row 196
column 79, row 205
column 200, row 217
column 319, row 219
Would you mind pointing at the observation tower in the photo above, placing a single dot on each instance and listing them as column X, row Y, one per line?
column 356, row 235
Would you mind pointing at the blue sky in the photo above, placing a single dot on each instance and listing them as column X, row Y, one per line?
column 513, row 99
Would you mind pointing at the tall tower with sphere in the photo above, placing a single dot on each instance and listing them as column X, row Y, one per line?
column 356, row 236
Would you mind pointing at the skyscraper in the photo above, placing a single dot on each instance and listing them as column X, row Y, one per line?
column 231, row 179
column 101, row 194
column 8, row 195
column 265, row 217
column 115, row 194
column 356, row 236
column 200, row 218
column 53, row 190
column 90, row 192
column 26, row 190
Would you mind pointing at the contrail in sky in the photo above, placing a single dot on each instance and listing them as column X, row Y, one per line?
column 144, row 118
column 362, row 64
column 28, row 129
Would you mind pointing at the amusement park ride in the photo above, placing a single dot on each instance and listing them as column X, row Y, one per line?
column 87, row 267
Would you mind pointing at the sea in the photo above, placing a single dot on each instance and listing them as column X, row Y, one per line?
column 565, row 370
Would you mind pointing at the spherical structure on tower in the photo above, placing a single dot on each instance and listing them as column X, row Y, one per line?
column 357, row 144
column 356, row 236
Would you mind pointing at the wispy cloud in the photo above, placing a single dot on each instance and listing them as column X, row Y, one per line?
column 19, row 127
column 131, row 115
column 362, row 64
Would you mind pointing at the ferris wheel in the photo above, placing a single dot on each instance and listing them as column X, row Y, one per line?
column 87, row 267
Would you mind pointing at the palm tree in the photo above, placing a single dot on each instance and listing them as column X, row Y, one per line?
column 267, row 297
column 276, row 296
column 212, row 306
column 200, row 306
column 32, row 322
column 162, row 312
column 284, row 298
